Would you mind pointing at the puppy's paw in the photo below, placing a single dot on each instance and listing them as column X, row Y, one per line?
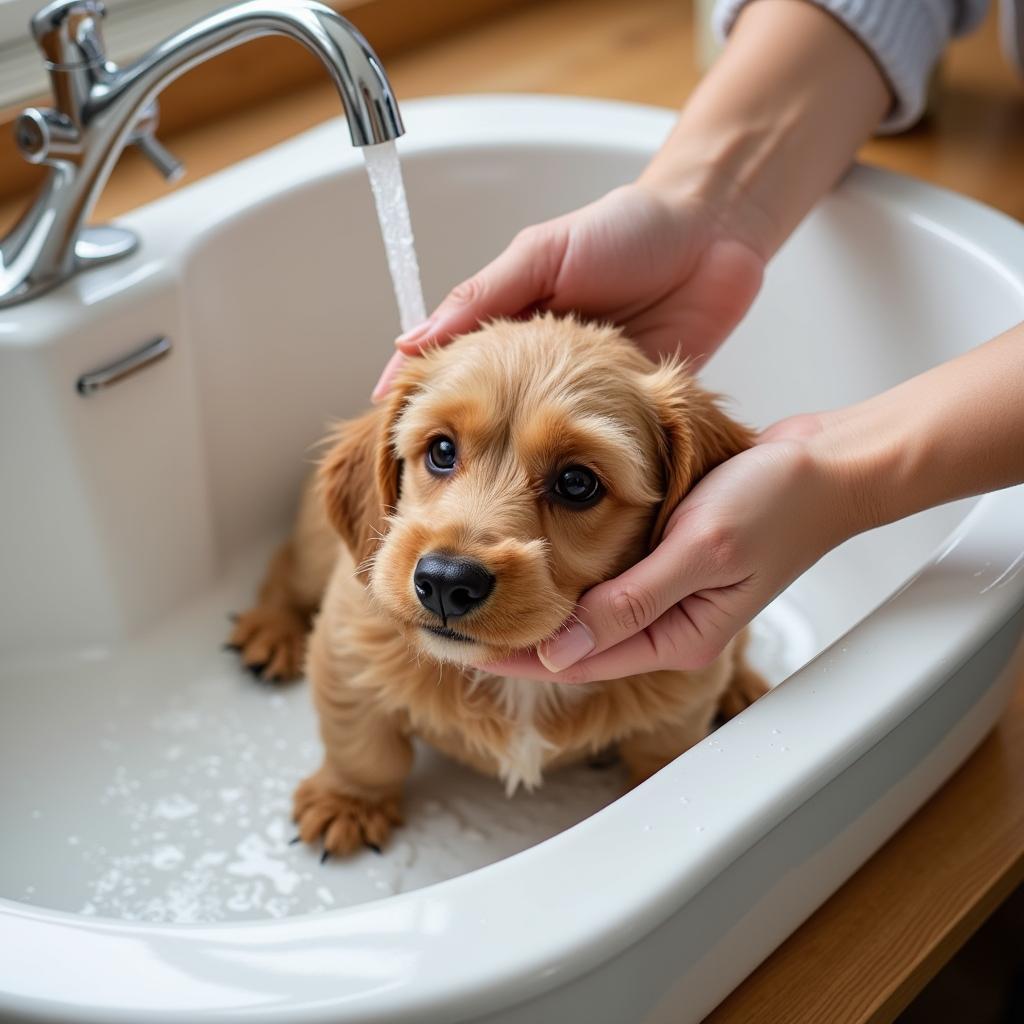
column 746, row 686
column 271, row 642
column 346, row 823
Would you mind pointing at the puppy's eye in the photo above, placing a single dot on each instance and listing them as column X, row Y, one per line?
column 577, row 486
column 441, row 455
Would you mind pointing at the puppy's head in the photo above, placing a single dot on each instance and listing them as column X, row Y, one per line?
column 511, row 471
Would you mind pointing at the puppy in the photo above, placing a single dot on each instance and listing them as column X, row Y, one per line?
column 505, row 475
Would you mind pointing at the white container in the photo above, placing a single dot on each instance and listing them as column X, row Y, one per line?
column 143, row 776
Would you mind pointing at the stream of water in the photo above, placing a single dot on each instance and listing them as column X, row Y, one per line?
column 385, row 174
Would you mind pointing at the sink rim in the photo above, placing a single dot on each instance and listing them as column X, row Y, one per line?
column 433, row 929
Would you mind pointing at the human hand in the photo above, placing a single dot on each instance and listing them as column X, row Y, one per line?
column 673, row 273
column 740, row 537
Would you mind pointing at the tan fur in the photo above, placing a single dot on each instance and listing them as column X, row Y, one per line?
column 271, row 638
column 522, row 400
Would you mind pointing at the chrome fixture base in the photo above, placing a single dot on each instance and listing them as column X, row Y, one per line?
column 104, row 243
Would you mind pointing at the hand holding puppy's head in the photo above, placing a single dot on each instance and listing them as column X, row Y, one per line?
column 511, row 471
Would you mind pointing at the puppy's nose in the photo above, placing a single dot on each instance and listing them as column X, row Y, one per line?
column 451, row 587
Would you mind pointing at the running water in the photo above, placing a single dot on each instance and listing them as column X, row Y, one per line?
column 385, row 173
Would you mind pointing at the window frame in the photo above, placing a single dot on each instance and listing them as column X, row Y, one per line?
column 15, row 16
column 130, row 28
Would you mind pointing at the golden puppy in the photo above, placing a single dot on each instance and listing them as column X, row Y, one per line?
column 505, row 475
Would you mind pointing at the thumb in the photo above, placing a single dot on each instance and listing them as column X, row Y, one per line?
column 620, row 608
column 522, row 276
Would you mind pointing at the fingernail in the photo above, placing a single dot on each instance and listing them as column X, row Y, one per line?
column 566, row 648
column 387, row 377
column 417, row 333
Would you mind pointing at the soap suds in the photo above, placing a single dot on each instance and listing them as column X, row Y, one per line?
column 177, row 808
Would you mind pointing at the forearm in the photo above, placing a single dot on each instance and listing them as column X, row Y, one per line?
column 956, row 430
column 774, row 123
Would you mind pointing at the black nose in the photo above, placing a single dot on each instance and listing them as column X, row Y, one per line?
column 451, row 587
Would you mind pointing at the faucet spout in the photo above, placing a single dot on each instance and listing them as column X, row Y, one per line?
column 365, row 92
column 100, row 108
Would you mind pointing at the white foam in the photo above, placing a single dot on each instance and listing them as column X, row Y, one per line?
column 174, row 807
column 189, row 819
column 256, row 859
column 166, row 857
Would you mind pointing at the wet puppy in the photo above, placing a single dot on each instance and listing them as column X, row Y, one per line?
column 505, row 475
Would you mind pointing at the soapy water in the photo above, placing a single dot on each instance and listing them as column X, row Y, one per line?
column 172, row 802
column 385, row 173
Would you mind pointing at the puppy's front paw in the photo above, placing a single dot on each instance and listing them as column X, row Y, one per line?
column 345, row 822
column 271, row 642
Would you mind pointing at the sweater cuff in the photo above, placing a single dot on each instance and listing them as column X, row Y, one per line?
column 905, row 39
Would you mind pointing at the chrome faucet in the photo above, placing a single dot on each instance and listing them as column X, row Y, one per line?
column 100, row 108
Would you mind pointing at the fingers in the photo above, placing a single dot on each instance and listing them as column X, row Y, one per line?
column 525, row 665
column 387, row 377
column 804, row 425
column 673, row 641
column 690, row 635
column 522, row 276
column 619, row 609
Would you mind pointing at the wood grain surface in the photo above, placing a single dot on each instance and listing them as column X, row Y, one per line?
column 875, row 944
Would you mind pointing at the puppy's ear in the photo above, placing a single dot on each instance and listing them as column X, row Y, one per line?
column 696, row 436
column 359, row 478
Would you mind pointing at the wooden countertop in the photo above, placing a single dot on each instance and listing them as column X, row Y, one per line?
column 866, row 953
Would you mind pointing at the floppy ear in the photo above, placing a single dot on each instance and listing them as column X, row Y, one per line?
column 359, row 478
column 696, row 436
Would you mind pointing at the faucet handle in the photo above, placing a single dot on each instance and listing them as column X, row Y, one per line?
column 161, row 157
column 144, row 137
column 43, row 134
column 69, row 33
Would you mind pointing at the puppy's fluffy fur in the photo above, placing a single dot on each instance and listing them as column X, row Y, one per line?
column 521, row 401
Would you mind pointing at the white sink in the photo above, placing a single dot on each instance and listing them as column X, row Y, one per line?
column 145, row 871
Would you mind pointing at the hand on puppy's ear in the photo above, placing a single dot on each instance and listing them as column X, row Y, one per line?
column 696, row 434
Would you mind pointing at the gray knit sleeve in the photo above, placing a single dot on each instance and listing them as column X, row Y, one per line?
column 905, row 37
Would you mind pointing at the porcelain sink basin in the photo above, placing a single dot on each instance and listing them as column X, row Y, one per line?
column 145, row 872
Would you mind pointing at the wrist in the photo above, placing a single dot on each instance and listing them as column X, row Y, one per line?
column 718, row 168
column 848, row 466
column 864, row 452
column 774, row 123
